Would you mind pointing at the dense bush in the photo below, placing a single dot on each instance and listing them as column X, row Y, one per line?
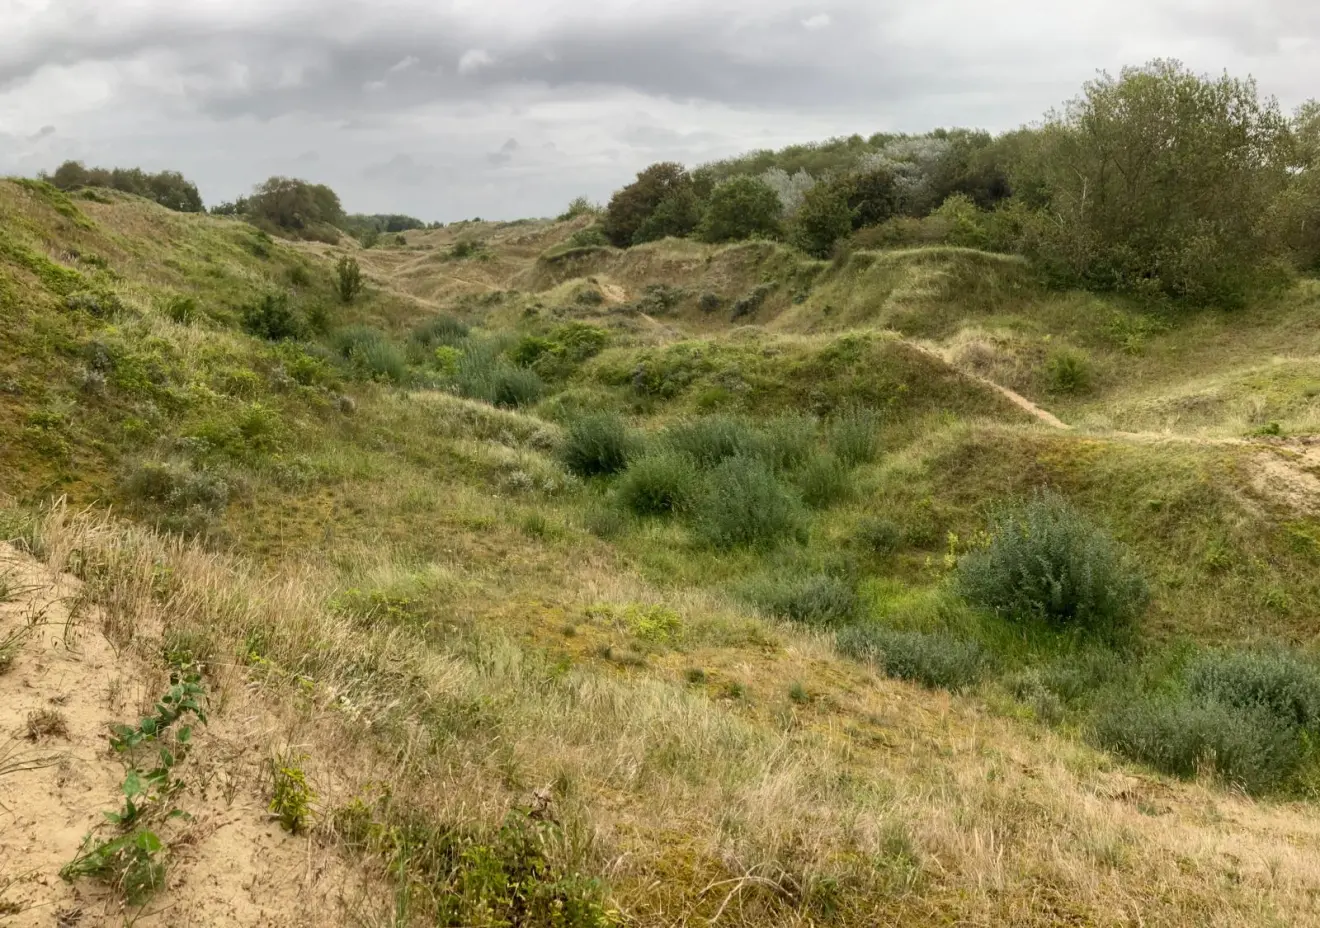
column 631, row 207
column 786, row 442
column 274, row 319
column 597, row 445
column 741, row 208
column 348, row 279
column 1158, row 181
column 709, row 440
column 1044, row 561
column 659, row 484
column 745, row 505
column 823, row 219
column 812, row 599
column 1068, row 371
column 1184, row 736
column 177, row 486
column 1279, row 683
column 878, row 535
column 294, row 205
column 168, row 188
column 852, row 436
column 371, row 354
column 440, row 330
column 934, row 659
column 823, row 481
column 676, row 215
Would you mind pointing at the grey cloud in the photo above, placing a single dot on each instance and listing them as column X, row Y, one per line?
column 42, row 133
column 504, row 155
column 402, row 170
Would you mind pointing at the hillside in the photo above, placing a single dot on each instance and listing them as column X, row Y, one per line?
column 483, row 638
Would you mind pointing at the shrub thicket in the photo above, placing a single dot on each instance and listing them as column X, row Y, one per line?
column 597, row 445
column 1044, row 561
column 741, row 208
column 658, row 484
column 273, row 319
column 746, row 505
column 852, row 436
column 934, row 659
column 709, row 440
column 823, row 481
column 168, row 188
column 811, row 599
column 348, row 279
column 823, row 219
column 631, row 207
column 371, row 354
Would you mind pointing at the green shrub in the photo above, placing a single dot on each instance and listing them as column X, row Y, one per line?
column 710, row 440
column 811, row 599
column 659, row 484
column 746, row 305
column 1278, row 683
column 788, row 442
column 177, row 486
column 740, row 208
column 273, row 319
column 348, row 279
column 1184, row 736
column 597, row 445
column 852, row 435
column 824, row 481
column 512, row 387
column 1044, row 561
column 666, row 184
column 1068, row 371
column 371, row 354
column 580, row 341
column 181, row 310
column 823, row 219
column 100, row 304
column 934, row 659
column 745, row 505
column 604, row 521
column 879, row 535
column 440, row 330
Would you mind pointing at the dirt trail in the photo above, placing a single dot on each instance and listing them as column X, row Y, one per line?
column 62, row 688
column 1286, row 470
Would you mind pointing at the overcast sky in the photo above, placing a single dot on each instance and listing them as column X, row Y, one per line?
column 508, row 108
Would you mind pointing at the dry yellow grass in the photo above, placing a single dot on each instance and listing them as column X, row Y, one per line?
column 876, row 803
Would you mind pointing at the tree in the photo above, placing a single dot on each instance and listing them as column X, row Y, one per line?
column 741, row 208
column 168, row 188
column 821, row 220
column 295, row 204
column 631, row 206
column 872, row 196
column 677, row 215
column 348, row 278
column 1160, row 181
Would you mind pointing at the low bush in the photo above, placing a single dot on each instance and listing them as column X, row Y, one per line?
column 852, row 435
column 597, row 445
column 371, row 354
column 933, row 659
column 659, row 484
column 1184, row 736
column 1068, row 371
column 1044, row 561
column 788, row 442
column 745, row 505
column 273, row 319
column 440, row 330
column 878, row 535
column 484, row 375
column 710, row 440
column 1278, row 683
column 177, row 486
column 824, row 481
column 349, row 282
column 811, row 599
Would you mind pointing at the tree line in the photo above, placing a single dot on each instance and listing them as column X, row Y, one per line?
column 1158, row 181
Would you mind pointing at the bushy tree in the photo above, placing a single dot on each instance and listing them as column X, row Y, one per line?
column 631, row 206
column 295, row 204
column 871, row 194
column 821, row 220
column 790, row 188
column 348, row 279
column 1160, row 181
column 676, row 216
column 168, row 188
column 741, row 208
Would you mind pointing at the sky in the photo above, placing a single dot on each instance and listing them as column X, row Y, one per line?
column 509, row 108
